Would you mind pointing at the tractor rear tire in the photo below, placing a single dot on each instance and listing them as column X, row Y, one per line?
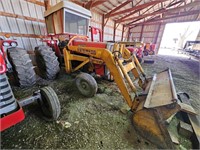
column 86, row 84
column 23, row 68
column 49, row 104
column 145, row 53
column 47, row 62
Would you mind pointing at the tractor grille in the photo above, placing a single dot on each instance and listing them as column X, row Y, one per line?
column 7, row 99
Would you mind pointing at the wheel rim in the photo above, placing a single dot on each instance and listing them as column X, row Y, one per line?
column 85, row 86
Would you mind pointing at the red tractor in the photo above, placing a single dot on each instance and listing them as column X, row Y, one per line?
column 11, row 111
column 137, row 49
column 149, row 49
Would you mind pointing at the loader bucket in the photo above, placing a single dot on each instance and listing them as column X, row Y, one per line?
column 155, row 108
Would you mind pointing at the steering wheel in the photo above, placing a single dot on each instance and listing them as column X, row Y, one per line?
column 77, row 37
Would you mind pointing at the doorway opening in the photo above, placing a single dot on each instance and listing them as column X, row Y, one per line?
column 175, row 36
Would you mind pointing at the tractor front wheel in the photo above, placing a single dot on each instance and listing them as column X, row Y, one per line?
column 49, row 104
column 47, row 62
column 86, row 84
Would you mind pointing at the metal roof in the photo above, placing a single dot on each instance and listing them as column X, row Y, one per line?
column 135, row 12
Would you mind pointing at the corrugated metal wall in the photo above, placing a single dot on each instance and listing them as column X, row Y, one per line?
column 149, row 33
column 96, row 21
column 24, row 19
column 17, row 17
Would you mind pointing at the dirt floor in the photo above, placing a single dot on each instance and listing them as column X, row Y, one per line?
column 101, row 122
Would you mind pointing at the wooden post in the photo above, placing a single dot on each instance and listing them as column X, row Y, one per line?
column 158, row 47
column 47, row 4
column 123, row 33
column 128, row 34
column 102, row 26
column 141, row 33
column 157, row 33
column 114, row 32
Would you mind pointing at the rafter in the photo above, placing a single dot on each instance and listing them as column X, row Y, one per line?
column 119, row 20
column 142, row 6
column 170, row 16
column 88, row 4
column 94, row 3
column 98, row 2
column 163, row 11
column 170, row 5
column 117, row 8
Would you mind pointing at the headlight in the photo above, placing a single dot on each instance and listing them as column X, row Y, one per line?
column 6, row 44
column 52, row 42
column 13, row 44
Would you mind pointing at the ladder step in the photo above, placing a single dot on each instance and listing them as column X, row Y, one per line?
column 129, row 66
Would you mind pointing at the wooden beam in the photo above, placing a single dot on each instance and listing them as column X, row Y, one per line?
column 114, row 30
column 22, row 35
column 47, row 4
column 6, row 14
column 117, row 8
column 142, row 6
column 36, row 2
column 157, row 33
column 158, row 47
column 102, row 26
column 163, row 11
column 98, row 2
column 128, row 38
column 141, row 33
column 123, row 28
column 88, row 4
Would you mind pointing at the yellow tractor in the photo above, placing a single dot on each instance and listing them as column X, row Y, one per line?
column 67, row 23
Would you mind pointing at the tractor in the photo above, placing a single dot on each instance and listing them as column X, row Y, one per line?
column 67, row 25
column 11, row 110
column 133, row 47
column 149, row 49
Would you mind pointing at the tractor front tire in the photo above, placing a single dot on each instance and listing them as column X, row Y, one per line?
column 49, row 104
column 47, row 62
column 22, row 66
column 86, row 84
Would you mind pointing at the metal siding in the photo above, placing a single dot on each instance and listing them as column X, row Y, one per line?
column 13, row 25
column 4, row 24
column 27, row 44
column 22, row 26
column 33, row 43
column 19, row 41
column 36, row 28
column 7, row 7
column 42, row 27
column 29, row 27
column 32, row 11
column 16, row 7
column 24, row 7
column 39, row 12
column 1, row 7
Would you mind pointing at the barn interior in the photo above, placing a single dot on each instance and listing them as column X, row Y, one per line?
column 100, row 74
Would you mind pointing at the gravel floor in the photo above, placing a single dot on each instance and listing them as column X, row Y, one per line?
column 101, row 122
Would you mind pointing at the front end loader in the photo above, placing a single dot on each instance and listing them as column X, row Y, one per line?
column 151, row 108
